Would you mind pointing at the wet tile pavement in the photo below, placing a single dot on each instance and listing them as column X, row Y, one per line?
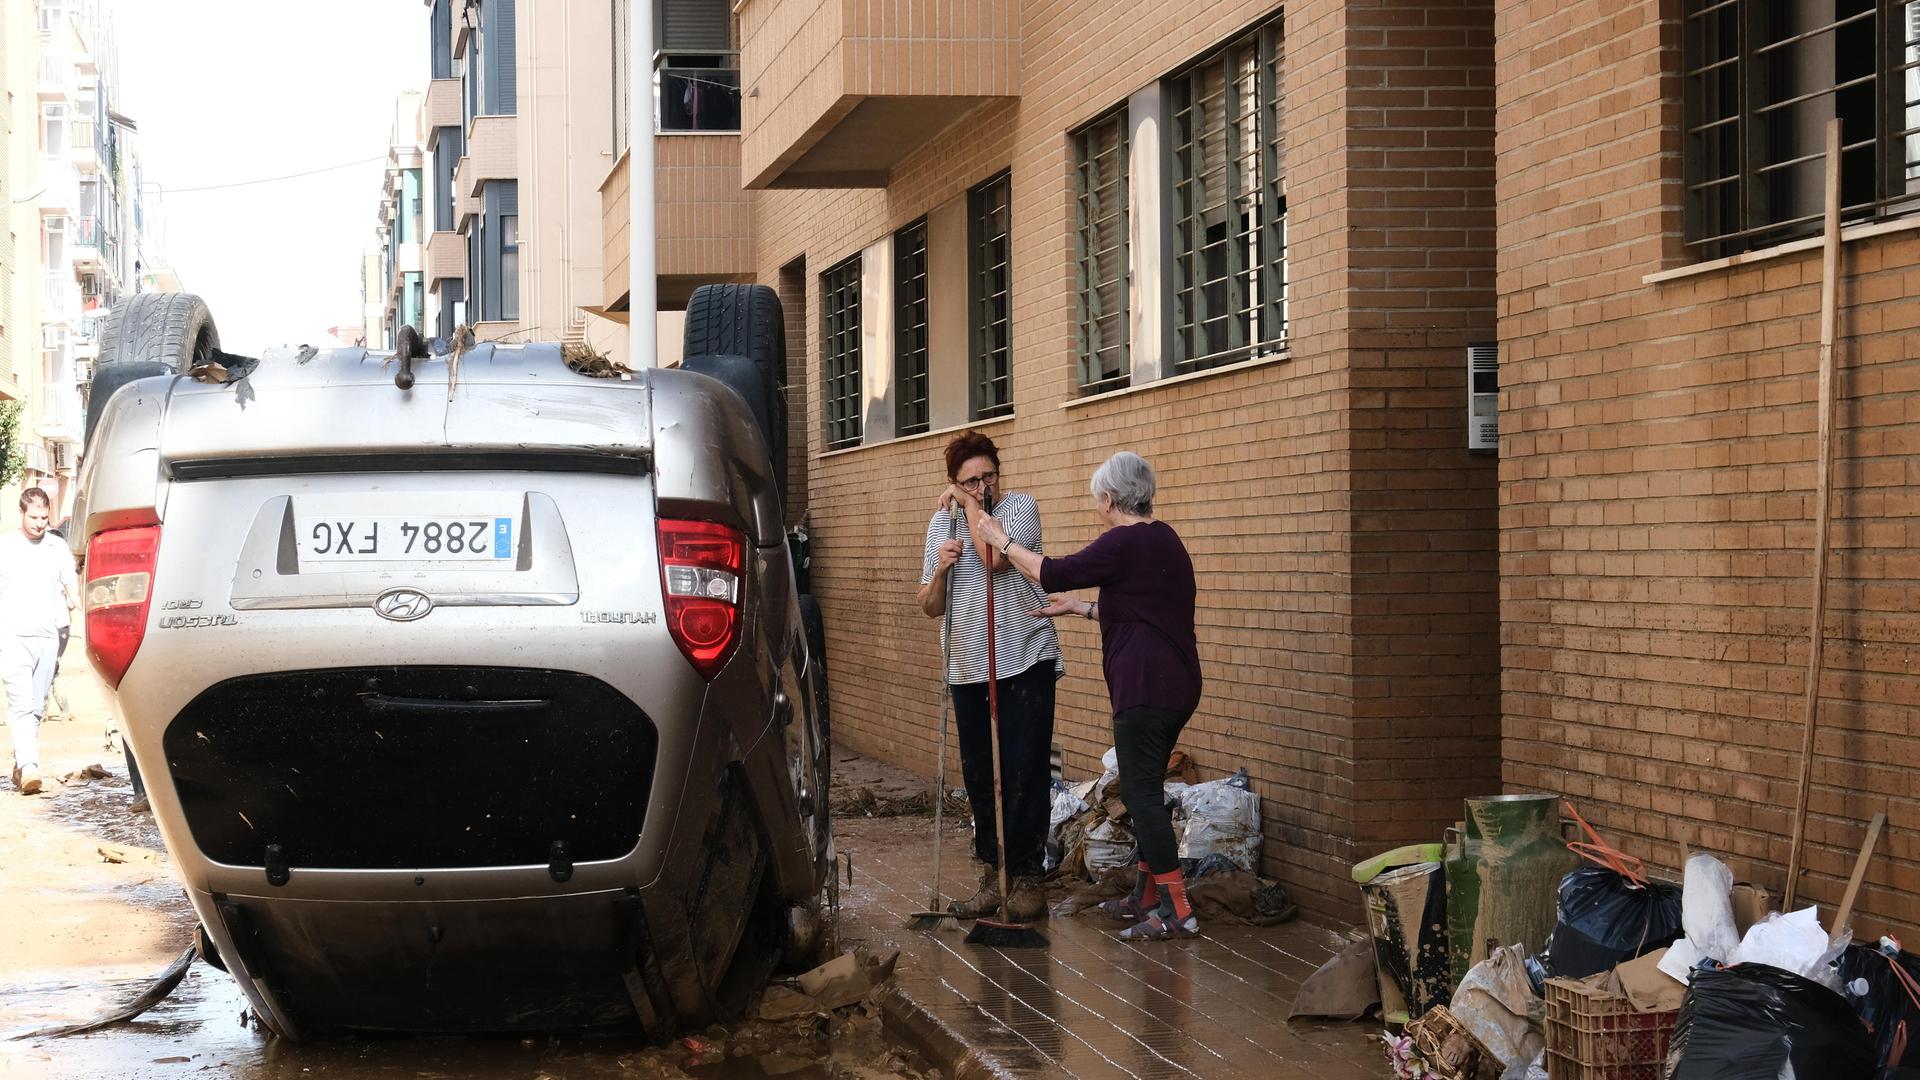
column 1092, row 1005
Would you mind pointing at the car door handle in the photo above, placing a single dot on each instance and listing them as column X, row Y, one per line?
column 389, row 705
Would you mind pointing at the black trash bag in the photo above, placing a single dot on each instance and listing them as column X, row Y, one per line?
column 1605, row 919
column 1754, row 1022
column 1887, row 1008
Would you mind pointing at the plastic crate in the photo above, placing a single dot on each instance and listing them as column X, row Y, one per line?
column 1596, row 1035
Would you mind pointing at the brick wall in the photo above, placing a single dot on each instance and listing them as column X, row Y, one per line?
column 1342, row 535
column 1656, row 488
column 1419, row 189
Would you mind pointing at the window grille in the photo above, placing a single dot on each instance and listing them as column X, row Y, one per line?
column 910, row 353
column 990, row 229
column 1229, row 205
column 1100, row 179
column 840, row 349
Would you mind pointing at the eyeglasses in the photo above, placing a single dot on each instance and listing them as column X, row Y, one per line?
column 983, row 478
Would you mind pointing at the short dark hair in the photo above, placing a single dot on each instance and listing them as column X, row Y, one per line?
column 965, row 447
column 35, row 495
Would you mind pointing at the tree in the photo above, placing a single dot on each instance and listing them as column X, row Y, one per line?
column 13, row 459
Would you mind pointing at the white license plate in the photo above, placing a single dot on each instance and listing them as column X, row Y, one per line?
column 475, row 530
column 408, row 539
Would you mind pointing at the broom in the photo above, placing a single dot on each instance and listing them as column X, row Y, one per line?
column 1001, row 933
column 934, row 919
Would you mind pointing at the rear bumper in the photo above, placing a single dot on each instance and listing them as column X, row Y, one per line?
column 641, row 938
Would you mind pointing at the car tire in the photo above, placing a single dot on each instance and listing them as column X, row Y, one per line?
column 744, row 322
column 815, row 627
column 150, row 334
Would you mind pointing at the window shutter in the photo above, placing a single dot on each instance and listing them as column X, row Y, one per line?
column 497, row 41
column 696, row 25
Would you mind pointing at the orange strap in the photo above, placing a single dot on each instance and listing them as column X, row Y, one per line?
column 1605, row 854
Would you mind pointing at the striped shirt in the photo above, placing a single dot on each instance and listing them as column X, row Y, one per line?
column 1019, row 640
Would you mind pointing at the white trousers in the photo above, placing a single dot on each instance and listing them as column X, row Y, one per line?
column 26, row 671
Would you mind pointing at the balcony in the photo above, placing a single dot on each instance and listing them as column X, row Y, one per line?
column 60, row 415
column 446, row 257
column 56, row 76
column 703, row 219
column 443, row 105
column 492, row 154
column 87, row 242
column 60, row 298
column 841, row 91
column 83, row 145
column 696, row 92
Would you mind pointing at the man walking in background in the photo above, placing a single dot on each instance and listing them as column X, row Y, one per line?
column 34, row 602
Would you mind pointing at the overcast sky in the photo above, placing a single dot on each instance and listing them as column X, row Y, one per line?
column 241, row 90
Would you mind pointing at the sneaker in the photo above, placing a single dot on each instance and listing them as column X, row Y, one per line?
column 982, row 903
column 1159, row 926
column 1127, row 909
column 1028, row 900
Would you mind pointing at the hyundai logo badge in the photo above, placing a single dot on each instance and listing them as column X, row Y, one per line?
column 402, row 605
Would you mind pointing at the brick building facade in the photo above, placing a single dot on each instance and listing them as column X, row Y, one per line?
column 1658, row 446
column 1318, row 469
column 1254, row 245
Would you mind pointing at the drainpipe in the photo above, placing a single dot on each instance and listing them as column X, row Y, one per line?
column 642, row 288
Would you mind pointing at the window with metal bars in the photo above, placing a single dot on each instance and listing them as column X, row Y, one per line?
column 910, row 352
column 840, row 350
column 1762, row 78
column 990, row 272
column 1100, row 179
column 1227, row 174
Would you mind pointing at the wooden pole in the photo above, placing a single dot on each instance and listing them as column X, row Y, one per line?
column 1843, row 918
column 1823, row 508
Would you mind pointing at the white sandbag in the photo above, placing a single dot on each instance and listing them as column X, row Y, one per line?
column 1109, row 844
column 1221, row 816
column 1066, row 805
column 1706, row 909
column 1495, row 1003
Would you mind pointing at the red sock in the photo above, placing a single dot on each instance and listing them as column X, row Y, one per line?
column 1176, row 890
column 1149, row 889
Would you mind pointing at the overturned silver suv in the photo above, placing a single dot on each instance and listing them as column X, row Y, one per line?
column 472, row 687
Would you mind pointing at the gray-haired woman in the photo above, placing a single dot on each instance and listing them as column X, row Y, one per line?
column 1152, row 662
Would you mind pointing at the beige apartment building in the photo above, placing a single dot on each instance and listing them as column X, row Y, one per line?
column 517, row 136
column 1266, row 246
column 399, row 296
column 74, row 246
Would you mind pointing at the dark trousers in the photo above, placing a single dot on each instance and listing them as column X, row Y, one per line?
column 1143, row 739
column 1026, row 745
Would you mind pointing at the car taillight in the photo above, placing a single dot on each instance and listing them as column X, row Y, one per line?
column 701, row 568
column 119, row 584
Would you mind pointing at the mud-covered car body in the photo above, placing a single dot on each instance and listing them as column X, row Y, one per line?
column 477, row 705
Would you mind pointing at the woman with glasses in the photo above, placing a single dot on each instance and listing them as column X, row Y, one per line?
column 1152, row 662
column 1027, row 661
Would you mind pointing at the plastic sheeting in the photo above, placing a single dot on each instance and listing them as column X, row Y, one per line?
column 1219, row 817
column 1755, row 1022
column 1605, row 919
column 1496, row 1003
column 1794, row 943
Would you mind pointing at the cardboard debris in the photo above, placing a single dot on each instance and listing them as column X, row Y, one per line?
column 840, row 981
column 1647, row 987
column 1751, row 903
column 781, row 1004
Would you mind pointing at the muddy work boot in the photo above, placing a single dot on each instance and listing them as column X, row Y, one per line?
column 982, row 903
column 27, row 780
column 1027, row 899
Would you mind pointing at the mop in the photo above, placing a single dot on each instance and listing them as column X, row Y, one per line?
column 1003, row 932
column 933, row 918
